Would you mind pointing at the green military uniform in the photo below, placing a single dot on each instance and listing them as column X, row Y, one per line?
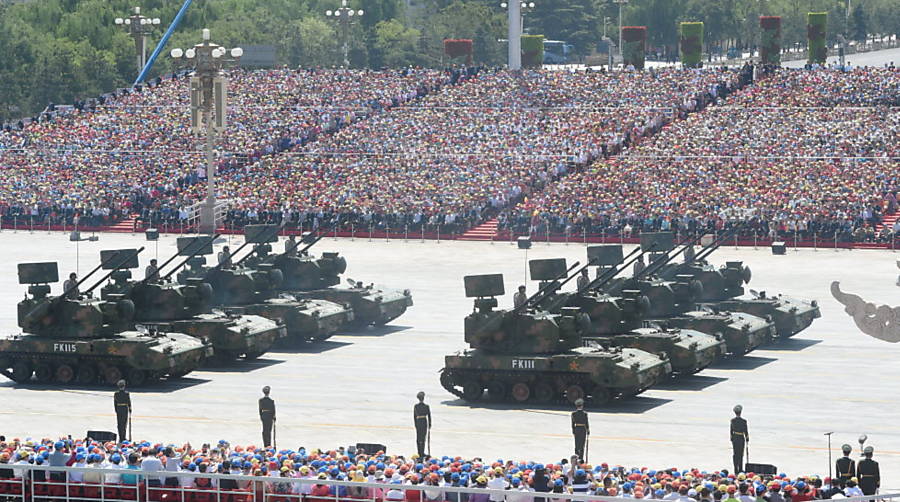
column 868, row 473
column 422, row 421
column 267, row 415
column 739, row 438
column 845, row 466
column 122, row 405
column 581, row 429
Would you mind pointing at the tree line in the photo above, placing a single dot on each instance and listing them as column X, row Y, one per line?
column 59, row 51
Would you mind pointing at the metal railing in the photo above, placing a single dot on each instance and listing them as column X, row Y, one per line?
column 45, row 484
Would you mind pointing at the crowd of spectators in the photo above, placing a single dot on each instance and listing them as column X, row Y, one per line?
column 453, row 157
column 404, row 479
column 133, row 152
column 805, row 154
column 799, row 154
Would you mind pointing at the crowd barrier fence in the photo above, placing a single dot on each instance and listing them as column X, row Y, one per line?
column 54, row 484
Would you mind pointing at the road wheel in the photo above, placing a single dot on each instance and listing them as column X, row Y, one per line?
column 600, row 396
column 136, row 377
column 543, row 393
column 521, row 392
column 64, row 373
column 472, row 390
column 22, row 371
column 497, row 391
column 87, row 374
column 112, row 375
column 43, row 373
column 574, row 392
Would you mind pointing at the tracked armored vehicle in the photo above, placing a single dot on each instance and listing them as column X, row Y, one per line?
column 185, row 308
column 318, row 278
column 617, row 321
column 674, row 303
column 722, row 288
column 530, row 355
column 253, row 290
column 75, row 338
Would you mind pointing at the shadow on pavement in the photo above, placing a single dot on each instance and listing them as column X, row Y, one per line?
column 241, row 365
column 295, row 347
column 634, row 405
column 791, row 344
column 373, row 330
column 689, row 382
column 741, row 363
column 162, row 386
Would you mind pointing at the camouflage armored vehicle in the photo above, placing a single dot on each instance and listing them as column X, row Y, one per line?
column 617, row 321
column 74, row 337
column 185, row 308
column 722, row 288
column 530, row 355
column 674, row 303
column 253, row 290
column 309, row 277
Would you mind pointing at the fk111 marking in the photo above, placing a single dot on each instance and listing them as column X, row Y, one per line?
column 523, row 364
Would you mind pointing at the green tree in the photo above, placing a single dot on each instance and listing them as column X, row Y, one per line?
column 859, row 25
column 575, row 21
column 314, row 43
column 397, row 43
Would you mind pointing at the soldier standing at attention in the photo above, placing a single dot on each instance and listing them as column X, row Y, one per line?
column 290, row 246
column 581, row 429
column 868, row 473
column 519, row 298
column 638, row 266
column 583, row 280
column 122, row 404
column 225, row 257
column 739, row 438
column 70, row 287
column 845, row 466
column 267, row 415
column 422, row 420
column 151, row 273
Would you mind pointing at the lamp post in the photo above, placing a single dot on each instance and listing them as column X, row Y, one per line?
column 344, row 16
column 609, row 55
column 139, row 27
column 515, row 15
column 620, row 2
column 208, row 108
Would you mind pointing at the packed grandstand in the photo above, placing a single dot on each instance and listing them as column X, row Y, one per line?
column 797, row 154
column 171, row 472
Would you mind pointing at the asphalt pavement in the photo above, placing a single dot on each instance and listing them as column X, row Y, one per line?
column 360, row 387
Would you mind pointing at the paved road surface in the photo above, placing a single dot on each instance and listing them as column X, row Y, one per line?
column 874, row 58
column 361, row 387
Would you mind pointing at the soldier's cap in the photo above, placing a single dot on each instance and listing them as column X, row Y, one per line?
column 846, row 448
column 420, row 395
column 738, row 409
column 579, row 402
column 266, row 389
column 869, row 450
column 121, row 384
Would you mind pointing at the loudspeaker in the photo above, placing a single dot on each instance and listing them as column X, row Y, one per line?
column 75, row 235
column 761, row 469
column 152, row 234
column 524, row 242
column 102, row 436
column 779, row 248
column 371, row 448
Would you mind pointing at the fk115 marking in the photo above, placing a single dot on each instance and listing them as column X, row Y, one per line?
column 65, row 347
column 523, row 364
